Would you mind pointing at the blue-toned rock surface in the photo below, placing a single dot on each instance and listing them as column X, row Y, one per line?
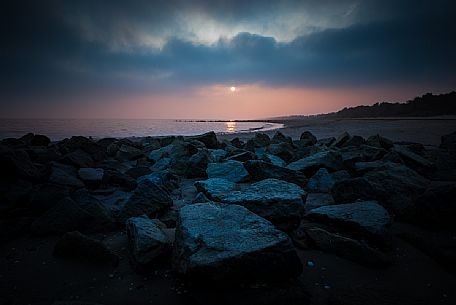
column 215, row 188
column 228, row 242
column 231, row 170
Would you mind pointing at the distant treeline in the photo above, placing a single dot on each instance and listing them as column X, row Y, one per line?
column 426, row 105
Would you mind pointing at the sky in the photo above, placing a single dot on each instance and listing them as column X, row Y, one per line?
column 180, row 59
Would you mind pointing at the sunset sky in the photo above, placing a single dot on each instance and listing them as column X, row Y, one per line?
column 180, row 59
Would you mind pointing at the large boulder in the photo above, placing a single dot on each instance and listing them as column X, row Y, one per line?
column 148, row 198
column 91, row 176
column 77, row 246
column 316, row 200
column 365, row 219
column 228, row 242
column 209, row 139
column 17, row 164
column 148, row 243
column 215, row 188
column 77, row 158
column 280, row 137
column 379, row 142
column 260, row 170
column 448, row 141
column 36, row 139
column 307, row 139
column 309, row 165
column 231, row 170
column 128, row 152
column 279, row 201
column 65, row 175
column 67, row 215
column 197, row 164
column 164, row 179
column 284, row 150
column 176, row 150
column 413, row 160
column 321, row 182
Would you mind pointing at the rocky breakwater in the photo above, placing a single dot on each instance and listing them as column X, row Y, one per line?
column 229, row 210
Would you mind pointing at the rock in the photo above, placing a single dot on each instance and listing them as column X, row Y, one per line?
column 162, row 164
column 352, row 189
column 448, row 141
column 46, row 196
column 236, row 142
column 148, row 243
column 436, row 207
column 16, row 163
column 346, row 247
column 228, row 242
column 396, row 188
column 280, row 137
column 243, row 156
column 215, row 188
column 260, row 140
column 354, row 141
column 341, row 139
column 379, row 142
column 197, row 164
column 362, row 153
column 75, row 245
column 260, row 170
column 363, row 167
column 91, row 176
column 116, row 178
column 16, row 192
column 201, row 198
column 139, row 171
column 283, row 150
column 217, row 155
column 65, row 216
column 128, row 152
column 96, row 151
column 365, row 219
column 274, row 160
column 209, row 139
column 307, row 139
column 326, row 141
column 279, row 201
column 321, row 181
column 309, row 165
column 95, row 208
column 316, row 200
column 77, row 158
column 147, row 198
column 176, row 150
column 163, row 179
column 43, row 154
column 36, row 139
column 413, row 160
column 65, row 175
column 231, row 170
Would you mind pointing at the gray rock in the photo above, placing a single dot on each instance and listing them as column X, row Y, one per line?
column 91, row 175
column 448, row 141
column 283, row 150
column 379, row 142
column 366, row 218
column 279, row 201
column 260, row 170
column 197, row 164
column 413, row 160
column 280, row 137
column 347, row 247
column 309, row 165
column 17, row 163
column 316, row 200
column 77, row 158
column 148, row 198
column 243, row 156
column 215, row 188
column 128, row 152
column 363, row 153
column 148, row 243
column 307, row 139
column 321, row 182
column 228, row 242
column 231, row 170
column 209, row 139
column 163, row 179
column 200, row 198
column 341, row 139
column 354, row 141
column 65, row 175
column 138, row 171
column 162, row 164
column 274, row 160
column 217, row 155
column 77, row 246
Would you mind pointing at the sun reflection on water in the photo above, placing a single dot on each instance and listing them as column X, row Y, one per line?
column 231, row 126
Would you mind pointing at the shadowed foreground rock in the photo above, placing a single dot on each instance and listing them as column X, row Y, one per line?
column 228, row 242
column 279, row 201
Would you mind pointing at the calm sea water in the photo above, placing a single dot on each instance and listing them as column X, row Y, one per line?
column 58, row 129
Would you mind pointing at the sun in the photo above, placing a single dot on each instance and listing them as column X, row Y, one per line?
column 233, row 89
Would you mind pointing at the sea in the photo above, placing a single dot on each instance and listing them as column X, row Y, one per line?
column 58, row 129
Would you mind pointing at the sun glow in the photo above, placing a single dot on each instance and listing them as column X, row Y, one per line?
column 233, row 89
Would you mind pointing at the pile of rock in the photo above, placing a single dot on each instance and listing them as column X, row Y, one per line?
column 226, row 209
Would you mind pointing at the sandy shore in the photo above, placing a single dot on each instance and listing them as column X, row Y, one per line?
column 427, row 131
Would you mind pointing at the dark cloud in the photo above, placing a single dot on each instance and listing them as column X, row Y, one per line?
column 46, row 48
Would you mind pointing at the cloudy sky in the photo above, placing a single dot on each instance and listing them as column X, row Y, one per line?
column 179, row 59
